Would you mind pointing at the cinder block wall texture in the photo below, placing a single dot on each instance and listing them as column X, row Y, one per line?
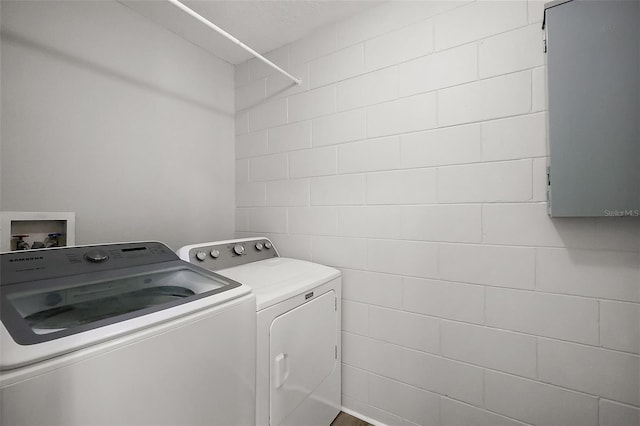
column 413, row 157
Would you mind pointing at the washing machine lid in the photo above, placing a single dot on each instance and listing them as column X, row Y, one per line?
column 277, row 279
column 55, row 301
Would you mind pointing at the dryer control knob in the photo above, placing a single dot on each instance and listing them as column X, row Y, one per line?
column 201, row 255
column 238, row 249
column 259, row 246
column 267, row 245
column 215, row 253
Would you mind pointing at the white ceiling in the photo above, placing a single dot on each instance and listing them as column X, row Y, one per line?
column 262, row 25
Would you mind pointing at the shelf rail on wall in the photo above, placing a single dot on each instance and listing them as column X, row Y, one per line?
column 231, row 38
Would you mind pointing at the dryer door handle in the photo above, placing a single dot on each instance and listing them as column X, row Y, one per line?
column 281, row 369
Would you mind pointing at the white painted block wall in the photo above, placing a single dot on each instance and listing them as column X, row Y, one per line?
column 413, row 158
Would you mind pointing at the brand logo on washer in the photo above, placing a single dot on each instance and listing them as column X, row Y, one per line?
column 26, row 259
column 308, row 296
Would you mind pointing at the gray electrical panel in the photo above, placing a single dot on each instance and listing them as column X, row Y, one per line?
column 593, row 60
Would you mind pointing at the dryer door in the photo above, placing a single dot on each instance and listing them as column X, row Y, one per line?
column 303, row 347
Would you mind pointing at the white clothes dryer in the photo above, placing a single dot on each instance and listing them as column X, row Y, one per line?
column 298, row 373
column 123, row 334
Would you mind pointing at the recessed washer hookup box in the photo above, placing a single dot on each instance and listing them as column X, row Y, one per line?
column 35, row 230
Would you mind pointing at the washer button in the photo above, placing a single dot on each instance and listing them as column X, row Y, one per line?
column 201, row 255
column 215, row 253
column 267, row 245
column 238, row 249
column 259, row 246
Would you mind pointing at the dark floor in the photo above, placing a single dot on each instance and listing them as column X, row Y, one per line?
column 344, row 419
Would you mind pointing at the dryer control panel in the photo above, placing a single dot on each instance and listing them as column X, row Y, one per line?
column 222, row 255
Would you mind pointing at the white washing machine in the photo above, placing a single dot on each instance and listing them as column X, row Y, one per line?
column 298, row 380
column 123, row 334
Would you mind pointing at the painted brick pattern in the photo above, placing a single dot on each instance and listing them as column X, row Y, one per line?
column 413, row 157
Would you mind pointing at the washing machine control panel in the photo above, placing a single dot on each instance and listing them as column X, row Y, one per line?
column 216, row 256
column 33, row 265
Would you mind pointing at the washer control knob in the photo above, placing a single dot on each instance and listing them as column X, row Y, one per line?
column 259, row 246
column 238, row 249
column 267, row 245
column 215, row 253
column 201, row 256
column 96, row 256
